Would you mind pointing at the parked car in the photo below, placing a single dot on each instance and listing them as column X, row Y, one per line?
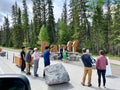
column 2, row 53
column 14, row 82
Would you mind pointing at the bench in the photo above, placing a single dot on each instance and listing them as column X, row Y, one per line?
column 18, row 61
column 0, row 49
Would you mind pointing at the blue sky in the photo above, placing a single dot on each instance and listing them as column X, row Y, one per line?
column 5, row 8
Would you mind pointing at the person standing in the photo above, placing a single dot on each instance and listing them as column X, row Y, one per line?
column 46, row 55
column 65, row 55
column 61, row 52
column 108, row 68
column 87, row 67
column 22, row 55
column 36, row 57
column 28, row 60
column 101, row 67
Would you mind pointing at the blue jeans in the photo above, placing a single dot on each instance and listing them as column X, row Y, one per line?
column 36, row 64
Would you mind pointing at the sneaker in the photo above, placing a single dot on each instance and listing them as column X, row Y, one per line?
column 36, row 75
column 83, row 84
column 99, row 86
column 43, row 75
column 28, row 73
column 89, row 85
column 23, row 71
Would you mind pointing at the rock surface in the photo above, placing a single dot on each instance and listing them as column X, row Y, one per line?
column 56, row 74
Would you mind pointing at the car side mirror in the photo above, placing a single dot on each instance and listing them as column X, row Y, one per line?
column 14, row 82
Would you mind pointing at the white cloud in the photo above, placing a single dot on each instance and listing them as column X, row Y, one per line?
column 57, row 9
column 6, row 8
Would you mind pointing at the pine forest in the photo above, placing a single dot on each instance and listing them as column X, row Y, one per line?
column 94, row 23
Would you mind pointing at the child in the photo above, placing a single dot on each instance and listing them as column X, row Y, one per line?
column 65, row 55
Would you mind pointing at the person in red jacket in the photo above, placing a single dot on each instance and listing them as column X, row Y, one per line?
column 101, row 67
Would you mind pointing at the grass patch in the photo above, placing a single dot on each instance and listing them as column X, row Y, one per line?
column 110, row 57
column 114, row 58
column 10, row 49
column 114, row 64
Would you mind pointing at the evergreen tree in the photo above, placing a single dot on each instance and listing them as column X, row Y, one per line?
column 97, row 33
column 32, row 42
column 37, row 20
column 20, row 30
column 14, row 24
column 79, row 24
column 25, row 20
column 17, row 31
column 74, row 18
column 50, row 22
column 102, row 33
column 64, row 13
column 64, row 36
column 107, row 25
column 43, row 35
column 1, row 36
column 6, row 32
column 44, row 11
column 14, row 14
column 115, row 31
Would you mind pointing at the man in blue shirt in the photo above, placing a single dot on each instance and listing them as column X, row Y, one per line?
column 46, row 56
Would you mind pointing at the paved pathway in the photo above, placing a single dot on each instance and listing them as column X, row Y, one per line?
column 75, row 72
column 115, row 62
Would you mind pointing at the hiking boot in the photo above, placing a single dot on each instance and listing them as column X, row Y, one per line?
column 99, row 86
column 89, row 85
column 28, row 73
column 83, row 84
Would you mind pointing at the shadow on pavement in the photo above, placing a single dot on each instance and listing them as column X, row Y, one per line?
column 36, row 78
column 64, row 86
column 113, row 76
column 101, row 88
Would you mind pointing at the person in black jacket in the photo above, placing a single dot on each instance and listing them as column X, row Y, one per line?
column 87, row 62
column 22, row 55
column 28, row 60
column 61, row 52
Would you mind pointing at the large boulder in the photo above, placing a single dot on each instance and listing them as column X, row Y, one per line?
column 56, row 74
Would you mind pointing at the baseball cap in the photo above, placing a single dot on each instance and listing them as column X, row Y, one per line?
column 35, row 49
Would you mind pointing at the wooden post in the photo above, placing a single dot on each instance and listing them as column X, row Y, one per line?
column 7, row 55
column 13, row 57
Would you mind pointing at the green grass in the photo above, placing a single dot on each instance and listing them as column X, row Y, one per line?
column 115, row 64
column 111, row 57
column 115, row 58
column 11, row 49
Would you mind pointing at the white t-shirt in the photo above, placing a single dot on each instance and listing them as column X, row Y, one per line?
column 36, row 56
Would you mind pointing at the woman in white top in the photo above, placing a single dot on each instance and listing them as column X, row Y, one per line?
column 36, row 57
